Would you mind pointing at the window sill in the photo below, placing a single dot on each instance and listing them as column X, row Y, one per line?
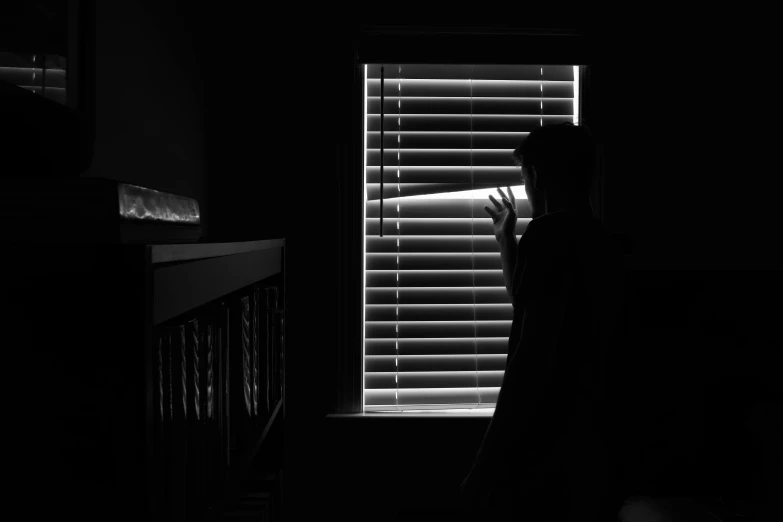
column 485, row 413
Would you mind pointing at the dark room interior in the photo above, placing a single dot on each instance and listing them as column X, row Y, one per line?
column 252, row 113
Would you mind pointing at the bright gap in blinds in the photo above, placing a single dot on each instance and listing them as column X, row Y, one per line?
column 436, row 312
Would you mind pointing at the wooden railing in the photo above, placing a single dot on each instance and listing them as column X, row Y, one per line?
column 142, row 379
column 218, row 351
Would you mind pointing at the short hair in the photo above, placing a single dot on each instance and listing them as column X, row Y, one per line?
column 564, row 151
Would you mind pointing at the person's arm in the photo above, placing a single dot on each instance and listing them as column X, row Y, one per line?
column 508, row 258
column 504, row 220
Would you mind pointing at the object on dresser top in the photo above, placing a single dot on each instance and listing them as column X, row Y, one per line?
column 96, row 210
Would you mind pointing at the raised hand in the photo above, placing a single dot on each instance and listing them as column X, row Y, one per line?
column 504, row 216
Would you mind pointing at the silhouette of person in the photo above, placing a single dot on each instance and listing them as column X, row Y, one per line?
column 544, row 455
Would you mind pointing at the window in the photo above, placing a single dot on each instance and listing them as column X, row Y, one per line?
column 43, row 74
column 436, row 312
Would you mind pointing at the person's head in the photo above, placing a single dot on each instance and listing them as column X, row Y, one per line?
column 558, row 164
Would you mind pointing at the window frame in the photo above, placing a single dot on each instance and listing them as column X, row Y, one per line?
column 428, row 45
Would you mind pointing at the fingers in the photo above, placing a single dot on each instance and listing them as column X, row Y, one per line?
column 512, row 204
column 507, row 204
column 491, row 213
column 498, row 206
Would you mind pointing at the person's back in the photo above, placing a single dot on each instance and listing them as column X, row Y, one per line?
column 574, row 415
column 546, row 439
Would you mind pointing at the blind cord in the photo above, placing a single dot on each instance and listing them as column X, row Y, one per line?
column 381, row 162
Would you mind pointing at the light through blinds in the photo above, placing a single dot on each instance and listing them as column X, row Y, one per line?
column 436, row 312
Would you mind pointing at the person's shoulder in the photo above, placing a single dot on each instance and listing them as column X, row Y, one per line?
column 544, row 225
column 562, row 220
column 549, row 229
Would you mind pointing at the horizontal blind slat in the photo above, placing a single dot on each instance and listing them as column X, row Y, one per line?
column 412, row 244
column 435, row 278
column 475, row 72
column 479, row 88
column 453, row 329
column 434, row 261
column 437, row 346
column 432, row 226
column 434, row 397
column 445, row 208
column 430, row 363
column 430, row 296
column 463, row 123
column 23, row 76
column 441, row 174
column 403, row 105
column 436, row 379
column 442, row 312
column 444, row 140
column 442, row 157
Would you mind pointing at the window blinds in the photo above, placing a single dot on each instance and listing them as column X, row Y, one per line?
column 43, row 74
column 437, row 315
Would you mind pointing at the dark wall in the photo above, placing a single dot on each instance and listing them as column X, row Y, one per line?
column 149, row 99
column 687, row 163
column 685, row 179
